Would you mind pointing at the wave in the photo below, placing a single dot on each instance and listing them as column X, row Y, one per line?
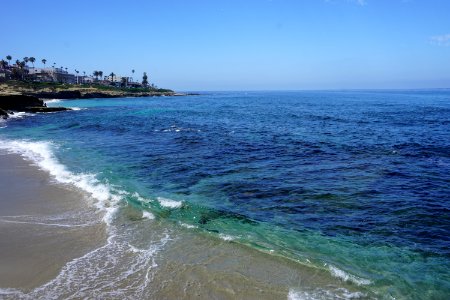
column 338, row 273
column 41, row 154
column 19, row 115
column 101, row 273
column 338, row 293
column 123, row 259
column 169, row 203
column 147, row 215
column 69, row 220
column 52, row 101
column 108, row 199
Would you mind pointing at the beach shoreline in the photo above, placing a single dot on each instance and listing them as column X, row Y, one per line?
column 43, row 225
column 45, row 235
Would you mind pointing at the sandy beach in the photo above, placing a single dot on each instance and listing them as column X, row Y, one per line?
column 42, row 225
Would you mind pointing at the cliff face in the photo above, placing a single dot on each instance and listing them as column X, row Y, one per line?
column 24, row 103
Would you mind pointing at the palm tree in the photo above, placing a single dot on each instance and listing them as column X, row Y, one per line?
column 26, row 59
column 32, row 60
column 21, row 65
column 123, row 82
column 96, row 75
column 145, row 79
column 132, row 71
column 8, row 58
column 112, row 76
column 3, row 64
column 44, row 61
column 76, row 71
column 100, row 74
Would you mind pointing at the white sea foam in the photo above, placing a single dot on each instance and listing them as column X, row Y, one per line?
column 101, row 273
column 19, row 115
column 187, row 225
column 68, row 219
column 117, row 269
column 315, row 294
column 52, row 101
column 226, row 237
column 147, row 215
column 169, row 203
column 338, row 273
column 44, row 224
column 140, row 198
column 41, row 154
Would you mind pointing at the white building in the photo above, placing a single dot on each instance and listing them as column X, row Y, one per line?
column 52, row 74
column 117, row 79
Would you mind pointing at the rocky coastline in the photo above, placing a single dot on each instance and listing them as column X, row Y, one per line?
column 27, row 96
column 24, row 103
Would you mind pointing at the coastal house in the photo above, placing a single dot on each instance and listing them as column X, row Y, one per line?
column 39, row 74
column 52, row 75
column 88, row 79
column 117, row 79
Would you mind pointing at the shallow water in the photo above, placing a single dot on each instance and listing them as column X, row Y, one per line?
column 348, row 188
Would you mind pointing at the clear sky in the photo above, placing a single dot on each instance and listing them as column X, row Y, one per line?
column 239, row 44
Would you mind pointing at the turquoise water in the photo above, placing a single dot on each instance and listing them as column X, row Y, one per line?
column 352, row 182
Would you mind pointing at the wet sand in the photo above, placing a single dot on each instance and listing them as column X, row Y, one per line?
column 42, row 225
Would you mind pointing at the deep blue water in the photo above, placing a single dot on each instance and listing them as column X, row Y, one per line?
column 357, row 180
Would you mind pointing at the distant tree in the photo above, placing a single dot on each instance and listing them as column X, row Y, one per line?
column 112, row 76
column 100, row 74
column 3, row 64
column 132, row 71
column 21, row 65
column 145, row 79
column 123, row 82
column 8, row 58
column 32, row 60
column 26, row 59
column 95, row 74
column 44, row 61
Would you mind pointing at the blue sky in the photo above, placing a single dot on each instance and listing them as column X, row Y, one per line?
column 240, row 45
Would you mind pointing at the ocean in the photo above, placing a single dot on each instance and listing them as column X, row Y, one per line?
column 314, row 194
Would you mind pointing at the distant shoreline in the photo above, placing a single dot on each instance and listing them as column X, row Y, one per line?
column 70, row 91
column 25, row 96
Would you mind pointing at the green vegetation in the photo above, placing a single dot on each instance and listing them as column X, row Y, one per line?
column 56, row 86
